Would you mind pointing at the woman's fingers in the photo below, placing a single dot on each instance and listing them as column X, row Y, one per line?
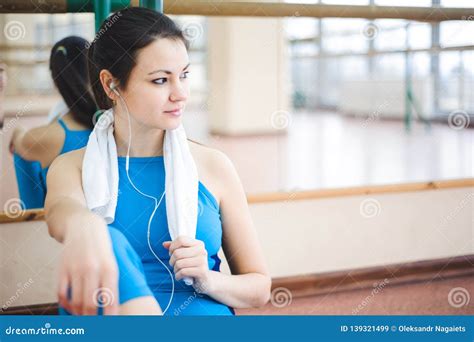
column 191, row 272
column 90, row 295
column 110, row 299
column 63, row 291
column 183, row 241
column 187, row 262
column 76, row 302
column 90, row 292
column 186, row 252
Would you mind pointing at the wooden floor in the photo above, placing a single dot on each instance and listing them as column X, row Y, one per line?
column 431, row 287
column 426, row 298
column 321, row 150
column 325, row 150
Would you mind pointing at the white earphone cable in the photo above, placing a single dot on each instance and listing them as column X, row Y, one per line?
column 157, row 203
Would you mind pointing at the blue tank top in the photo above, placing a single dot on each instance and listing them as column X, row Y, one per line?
column 30, row 185
column 31, row 178
column 131, row 218
column 73, row 140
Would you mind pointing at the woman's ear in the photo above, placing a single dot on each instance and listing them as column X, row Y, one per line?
column 106, row 80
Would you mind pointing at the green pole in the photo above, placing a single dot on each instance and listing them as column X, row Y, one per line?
column 102, row 11
column 156, row 5
column 85, row 6
column 102, row 8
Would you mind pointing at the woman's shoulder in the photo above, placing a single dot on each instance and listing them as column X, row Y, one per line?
column 43, row 143
column 214, row 167
column 70, row 159
column 72, row 124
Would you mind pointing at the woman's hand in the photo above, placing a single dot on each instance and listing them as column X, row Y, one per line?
column 89, row 267
column 188, row 257
column 16, row 132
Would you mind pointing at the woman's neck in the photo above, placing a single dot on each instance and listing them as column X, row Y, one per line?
column 146, row 142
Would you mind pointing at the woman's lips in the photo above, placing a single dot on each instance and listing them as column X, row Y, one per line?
column 176, row 112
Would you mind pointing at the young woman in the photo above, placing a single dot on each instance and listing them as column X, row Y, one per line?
column 145, row 54
column 34, row 150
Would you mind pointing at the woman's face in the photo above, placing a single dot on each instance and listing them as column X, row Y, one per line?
column 158, row 88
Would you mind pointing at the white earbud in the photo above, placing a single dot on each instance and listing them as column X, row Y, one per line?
column 113, row 86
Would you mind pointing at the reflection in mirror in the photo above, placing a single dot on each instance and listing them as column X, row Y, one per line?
column 69, row 123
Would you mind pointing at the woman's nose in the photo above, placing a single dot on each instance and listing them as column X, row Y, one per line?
column 179, row 93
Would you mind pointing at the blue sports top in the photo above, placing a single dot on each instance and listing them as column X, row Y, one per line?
column 31, row 178
column 131, row 218
column 73, row 140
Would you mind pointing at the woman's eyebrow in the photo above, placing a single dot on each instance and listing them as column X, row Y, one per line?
column 166, row 71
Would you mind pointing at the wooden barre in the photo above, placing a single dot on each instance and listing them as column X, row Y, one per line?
column 254, row 9
column 359, row 191
column 38, row 214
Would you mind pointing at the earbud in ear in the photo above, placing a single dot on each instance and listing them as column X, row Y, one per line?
column 113, row 86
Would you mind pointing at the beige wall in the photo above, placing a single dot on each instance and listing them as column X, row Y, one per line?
column 313, row 236
column 298, row 237
column 248, row 74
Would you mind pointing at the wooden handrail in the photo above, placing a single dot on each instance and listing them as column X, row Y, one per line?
column 359, row 191
column 22, row 216
column 38, row 214
column 259, row 9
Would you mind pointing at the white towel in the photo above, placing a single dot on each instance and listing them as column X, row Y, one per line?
column 100, row 177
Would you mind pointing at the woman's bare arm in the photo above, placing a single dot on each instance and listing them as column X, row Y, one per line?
column 250, row 282
column 88, row 262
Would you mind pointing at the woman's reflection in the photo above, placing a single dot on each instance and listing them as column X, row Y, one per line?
column 34, row 150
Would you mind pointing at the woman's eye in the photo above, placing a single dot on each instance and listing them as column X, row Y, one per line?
column 159, row 81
